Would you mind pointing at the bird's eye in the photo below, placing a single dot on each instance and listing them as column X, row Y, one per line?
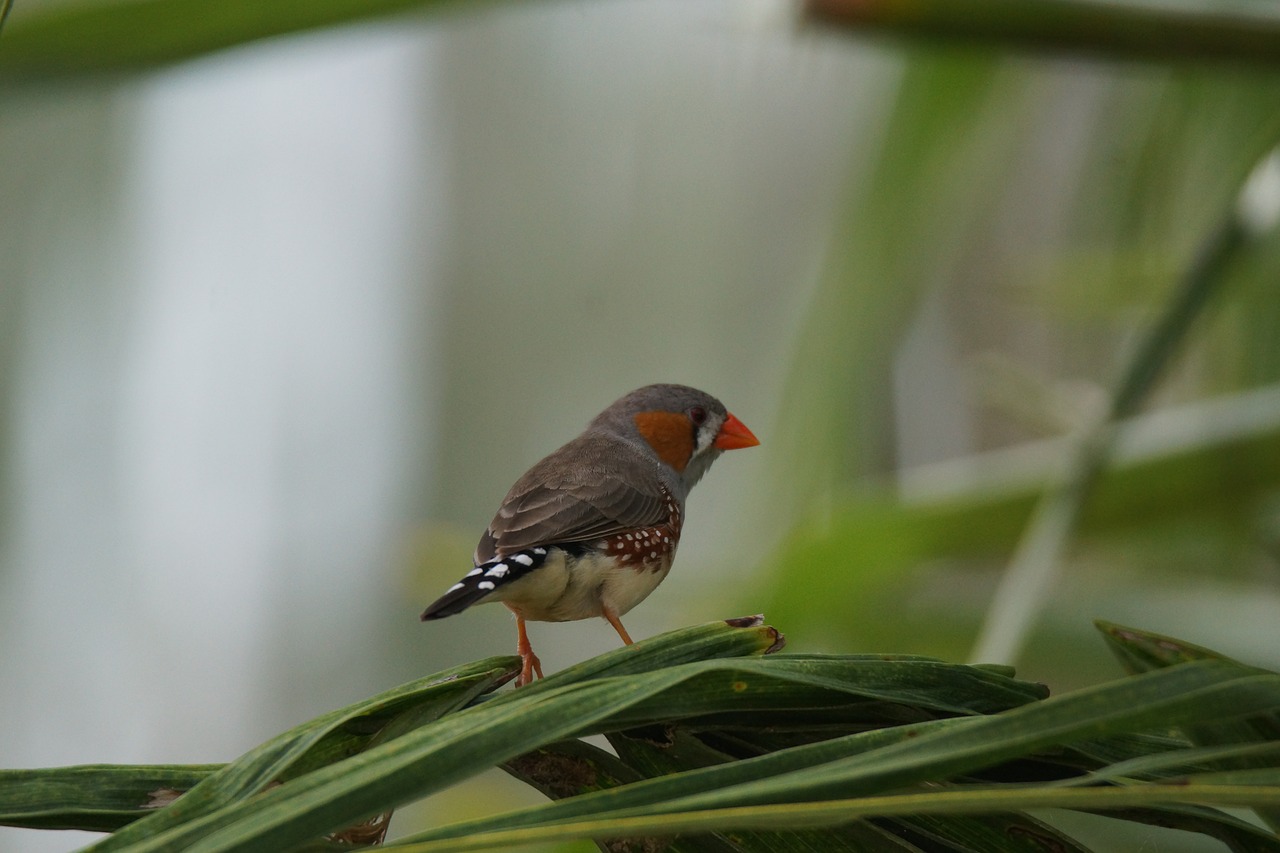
column 698, row 415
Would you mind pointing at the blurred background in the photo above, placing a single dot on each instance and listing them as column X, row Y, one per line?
column 281, row 323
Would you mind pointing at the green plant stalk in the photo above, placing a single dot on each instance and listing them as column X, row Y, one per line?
column 96, row 797
column 840, row 812
column 575, row 767
column 1024, row 588
column 1116, row 29
column 68, row 40
column 937, row 143
column 1143, row 651
column 1155, row 768
column 1235, row 834
column 654, row 791
column 729, row 638
column 93, row 38
column 702, row 767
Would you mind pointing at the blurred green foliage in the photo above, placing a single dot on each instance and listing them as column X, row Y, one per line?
column 1057, row 282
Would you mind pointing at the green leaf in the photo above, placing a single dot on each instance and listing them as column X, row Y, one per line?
column 93, row 796
column 570, row 768
column 1140, row 651
column 841, row 812
column 62, row 40
column 996, row 833
column 1143, row 651
column 682, row 751
column 1236, row 834
column 671, row 786
column 1117, row 28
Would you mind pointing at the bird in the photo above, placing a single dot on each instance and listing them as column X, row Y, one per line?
column 592, row 529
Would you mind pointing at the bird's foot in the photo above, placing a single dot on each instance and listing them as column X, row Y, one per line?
column 530, row 665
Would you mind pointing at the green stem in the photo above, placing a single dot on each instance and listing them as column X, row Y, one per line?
column 1026, row 584
column 1116, row 29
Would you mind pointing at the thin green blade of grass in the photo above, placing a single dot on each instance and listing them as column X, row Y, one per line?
column 840, row 812
column 776, row 690
column 1141, row 651
column 67, row 40
column 669, row 787
column 570, row 768
column 922, row 683
column 659, row 752
column 727, row 638
column 89, row 37
column 1024, row 587
column 1175, row 763
column 939, row 141
column 573, row 767
column 993, row 833
column 1117, row 29
column 684, row 751
column 1239, row 836
column 96, row 797
column 1253, row 776
column 672, row 750
column 858, row 837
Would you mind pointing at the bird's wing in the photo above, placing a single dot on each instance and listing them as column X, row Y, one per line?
column 597, row 496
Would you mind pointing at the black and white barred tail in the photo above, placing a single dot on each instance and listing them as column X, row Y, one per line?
column 481, row 581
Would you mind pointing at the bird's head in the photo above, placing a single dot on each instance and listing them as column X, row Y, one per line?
column 684, row 428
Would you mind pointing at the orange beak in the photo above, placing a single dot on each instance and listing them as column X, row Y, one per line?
column 733, row 435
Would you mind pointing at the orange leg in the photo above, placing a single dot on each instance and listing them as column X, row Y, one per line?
column 617, row 625
column 529, row 661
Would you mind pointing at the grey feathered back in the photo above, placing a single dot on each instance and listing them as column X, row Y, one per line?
column 609, row 488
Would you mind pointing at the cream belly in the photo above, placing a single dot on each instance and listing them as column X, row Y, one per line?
column 554, row 592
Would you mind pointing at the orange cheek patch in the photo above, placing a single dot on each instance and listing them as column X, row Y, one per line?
column 670, row 434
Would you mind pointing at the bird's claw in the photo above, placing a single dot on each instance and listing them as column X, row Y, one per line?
column 530, row 665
